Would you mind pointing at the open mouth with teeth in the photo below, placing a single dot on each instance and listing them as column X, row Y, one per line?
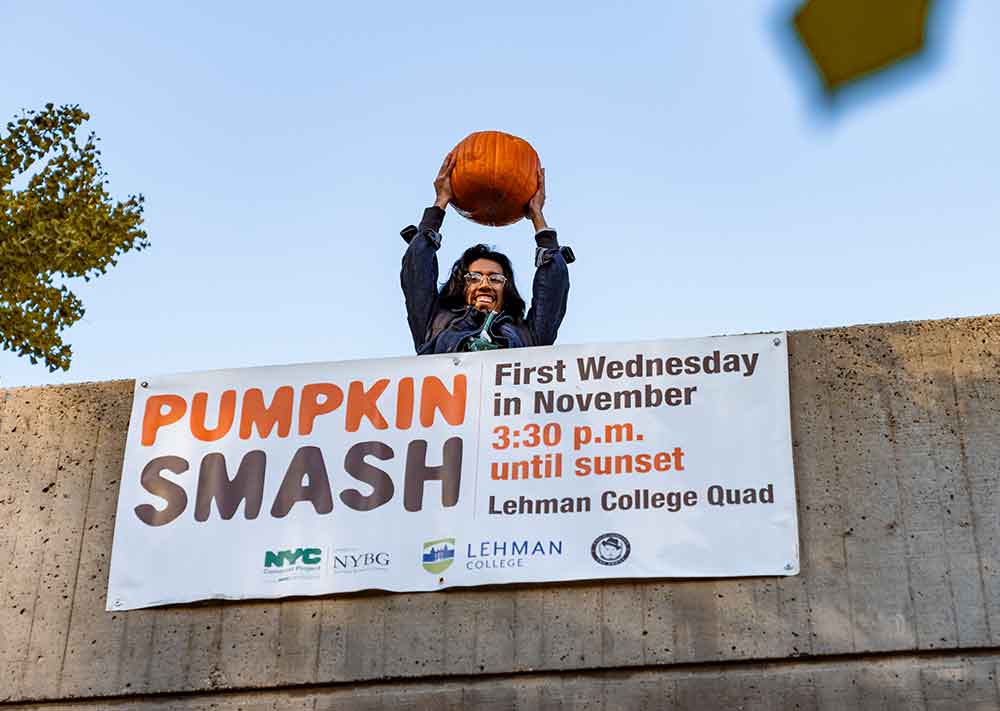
column 485, row 299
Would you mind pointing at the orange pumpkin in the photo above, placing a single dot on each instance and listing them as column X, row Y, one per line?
column 494, row 177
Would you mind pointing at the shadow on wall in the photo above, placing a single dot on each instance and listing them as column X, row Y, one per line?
column 898, row 484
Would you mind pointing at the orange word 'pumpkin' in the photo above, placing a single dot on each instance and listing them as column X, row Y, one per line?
column 494, row 177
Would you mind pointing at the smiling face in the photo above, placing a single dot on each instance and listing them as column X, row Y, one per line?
column 483, row 294
column 610, row 548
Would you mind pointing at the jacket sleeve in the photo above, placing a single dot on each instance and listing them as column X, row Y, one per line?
column 419, row 274
column 550, row 289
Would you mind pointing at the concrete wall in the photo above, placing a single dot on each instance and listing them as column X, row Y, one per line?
column 896, row 435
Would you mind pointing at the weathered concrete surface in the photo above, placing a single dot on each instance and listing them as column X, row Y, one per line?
column 897, row 455
column 904, row 683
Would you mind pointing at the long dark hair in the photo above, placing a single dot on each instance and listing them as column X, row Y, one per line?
column 452, row 294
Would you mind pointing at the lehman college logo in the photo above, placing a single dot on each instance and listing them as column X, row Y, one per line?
column 439, row 554
column 610, row 549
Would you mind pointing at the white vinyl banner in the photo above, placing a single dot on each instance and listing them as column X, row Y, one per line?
column 626, row 460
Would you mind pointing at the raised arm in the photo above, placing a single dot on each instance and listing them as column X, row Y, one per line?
column 419, row 274
column 550, row 288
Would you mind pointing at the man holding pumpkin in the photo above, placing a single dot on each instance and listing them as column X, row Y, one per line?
column 479, row 307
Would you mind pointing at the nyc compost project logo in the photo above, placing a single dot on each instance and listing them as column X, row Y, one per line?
column 293, row 564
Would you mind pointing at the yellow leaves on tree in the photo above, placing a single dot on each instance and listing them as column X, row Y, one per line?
column 62, row 224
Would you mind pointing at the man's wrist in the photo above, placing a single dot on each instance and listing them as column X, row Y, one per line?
column 538, row 220
column 442, row 202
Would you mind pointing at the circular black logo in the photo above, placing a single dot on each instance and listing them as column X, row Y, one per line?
column 610, row 549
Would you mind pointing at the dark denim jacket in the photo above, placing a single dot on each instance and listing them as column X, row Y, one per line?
column 441, row 330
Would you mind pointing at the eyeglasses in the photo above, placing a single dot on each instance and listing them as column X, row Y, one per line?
column 472, row 278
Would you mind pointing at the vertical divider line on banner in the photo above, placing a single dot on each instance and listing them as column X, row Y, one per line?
column 479, row 439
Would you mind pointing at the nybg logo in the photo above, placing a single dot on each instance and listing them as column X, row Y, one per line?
column 354, row 560
column 610, row 549
column 293, row 564
column 439, row 555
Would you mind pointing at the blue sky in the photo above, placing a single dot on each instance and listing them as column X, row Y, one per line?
column 688, row 165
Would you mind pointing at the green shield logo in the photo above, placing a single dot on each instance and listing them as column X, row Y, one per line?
column 439, row 555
